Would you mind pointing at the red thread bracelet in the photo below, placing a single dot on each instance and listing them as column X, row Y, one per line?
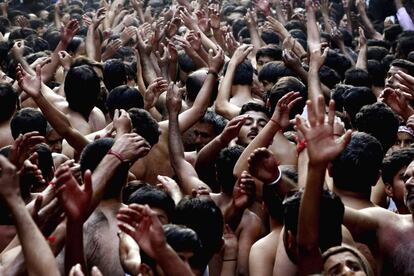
column 117, row 155
column 301, row 146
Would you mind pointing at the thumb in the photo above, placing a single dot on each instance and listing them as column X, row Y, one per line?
column 39, row 71
column 87, row 179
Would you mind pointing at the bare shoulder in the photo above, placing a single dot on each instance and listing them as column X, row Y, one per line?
column 251, row 221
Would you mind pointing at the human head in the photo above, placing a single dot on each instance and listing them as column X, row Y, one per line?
column 331, row 216
column 114, row 74
column 271, row 72
column 203, row 216
column 405, row 138
column 124, row 97
column 393, row 174
column 53, row 139
column 8, row 101
column 358, row 166
column 338, row 62
column 254, row 123
column 144, row 125
column 284, row 86
column 27, row 120
column 357, row 77
column 45, row 164
column 158, row 200
column 404, row 46
column 337, row 94
column 377, row 72
column 355, row 98
column 340, row 260
column 377, row 52
column 225, row 163
column 329, row 77
column 90, row 158
column 82, row 87
column 193, row 85
column 380, row 121
column 266, row 54
column 184, row 241
column 243, row 74
column 398, row 65
column 207, row 128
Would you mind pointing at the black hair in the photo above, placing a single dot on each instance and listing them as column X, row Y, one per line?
column 358, row 166
column 52, row 36
column 225, row 163
column 355, row 98
column 404, row 46
column 274, row 70
column 357, row 77
column 394, row 162
column 182, row 239
column 274, row 52
column 405, row 64
column 144, row 125
column 338, row 62
column 270, row 37
column 297, row 34
column 284, row 86
column 82, row 87
column 295, row 24
column 185, row 62
column 237, row 25
column 243, row 74
column 380, row 121
column 4, row 25
column 332, row 213
column 391, row 33
column 254, row 107
column 114, row 74
column 8, row 102
column 205, row 218
column 377, row 52
column 377, row 72
column 378, row 43
column 74, row 44
column 217, row 121
column 337, row 94
column 155, row 198
column 329, row 77
column 27, row 120
column 273, row 203
column 93, row 154
column 124, row 97
column 193, row 84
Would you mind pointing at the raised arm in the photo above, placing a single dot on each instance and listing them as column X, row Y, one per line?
column 322, row 148
column 38, row 257
column 362, row 62
column 185, row 172
column 223, row 105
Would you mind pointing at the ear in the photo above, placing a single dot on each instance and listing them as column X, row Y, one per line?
column 389, row 190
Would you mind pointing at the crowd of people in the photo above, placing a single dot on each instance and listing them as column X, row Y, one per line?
column 205, row 137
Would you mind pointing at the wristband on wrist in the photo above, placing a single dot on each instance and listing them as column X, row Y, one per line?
column 301, row 146
column 276, row 123
column 277, row 180
column 117, row 155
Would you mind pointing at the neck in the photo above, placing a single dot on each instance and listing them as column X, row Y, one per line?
column 353, row 196
column 241, row 91
column 274, row 224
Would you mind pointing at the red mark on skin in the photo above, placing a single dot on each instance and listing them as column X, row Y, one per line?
column 51, row 239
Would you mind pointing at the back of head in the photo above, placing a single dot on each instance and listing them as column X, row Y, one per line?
column 273, row 71
column 284, row 86
column 357, row 168
column 243, row 74
column 205, row 218
column 272, row 52
column 355, row 98
column 82, row 87
column 377, row 72
column 90, row 158
column 124, row 97
column 217, row 121
column 394, row 162
column 144, row 125
column 357, row 77
column 404, row 46
column 377, row 52
column 380, row 121
column 332, row 212
column 155, row 198
column 8, row 102
column 28, row 120
column 114, row 74
column 225, row 163
column 182, row 239
column 329, row 77
column 338, row 62
column 193, row 84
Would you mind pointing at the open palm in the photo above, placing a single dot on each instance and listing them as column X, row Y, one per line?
column 30, row 84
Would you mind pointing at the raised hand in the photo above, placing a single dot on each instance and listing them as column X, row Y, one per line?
column 127, row 34
column 122, row 122
column 144, row 46
column 18, row 49
column 241, row 53
column 291, row 60
column 232, row 128
column 194, row 38
column 405, row 82
column 30, row 84
column 173, row 98
column 283, row 108
column 9, row 180
column 397, row 101
column 244, row 191
column 23, row 147
column 215, row 62
column 144, row 226
column 65, row 60
column 131, row 147
column 154, row 90
column 214, row 15
column 69, row 31
column 263, row 165
column 98, row 17
column 76, row 200
column 319, row 134
column 362, row 41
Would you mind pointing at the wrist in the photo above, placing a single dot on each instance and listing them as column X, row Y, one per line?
column 214, row 72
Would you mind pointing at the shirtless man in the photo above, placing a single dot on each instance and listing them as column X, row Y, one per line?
column 8, row 105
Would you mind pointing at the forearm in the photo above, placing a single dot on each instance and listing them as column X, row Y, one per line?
column 369, row 28
column 219, row 37
column 90, row 44
column 148, row 71
column 362, row 61
column 222, row 104
column 170, row 262
column 175, row 144
column 37, row 254
column 48, row 71
column 263, row 139
column 314, row 84
column 74, row 253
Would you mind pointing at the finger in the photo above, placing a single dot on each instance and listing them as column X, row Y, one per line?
column 320, row 113
column 87, row 180
column 331, row 113
column 311, row 113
